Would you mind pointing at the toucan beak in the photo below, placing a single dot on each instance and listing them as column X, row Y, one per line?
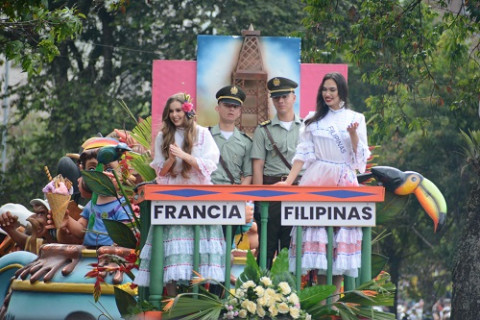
column 432, row 201
column 408, row 182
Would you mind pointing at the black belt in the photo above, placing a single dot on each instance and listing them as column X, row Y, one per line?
column 275, row 179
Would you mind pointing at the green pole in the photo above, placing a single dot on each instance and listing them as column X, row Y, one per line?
column 349, row 283
column 330, row 259
column 156, row 267
column 263, row 240
column 298, row 257
column 196, row 254
column 144, row 226
column 366, row 271
column 228, row 260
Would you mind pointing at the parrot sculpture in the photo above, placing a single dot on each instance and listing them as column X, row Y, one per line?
column 409, row 182
column 108, row 154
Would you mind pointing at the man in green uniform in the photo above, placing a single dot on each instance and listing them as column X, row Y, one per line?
column 235, row 163
column 274, row 144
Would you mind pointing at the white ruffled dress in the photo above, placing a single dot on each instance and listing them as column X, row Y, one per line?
column 326, row 150
column 178, row 240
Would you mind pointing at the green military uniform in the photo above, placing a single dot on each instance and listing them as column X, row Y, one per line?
column 286, row 141
column 275, row 169
column 235, row 153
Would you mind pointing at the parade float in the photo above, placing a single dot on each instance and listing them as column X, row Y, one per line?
column 70, row 281
column 98, row 283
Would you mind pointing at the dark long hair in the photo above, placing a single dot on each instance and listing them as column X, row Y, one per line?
column 322, row 108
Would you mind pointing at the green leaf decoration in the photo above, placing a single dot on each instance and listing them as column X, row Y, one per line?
column 99, row 183
column 250, row 272
column 369, row 313
column 391, row 208
column 279, row 271
column 378, row 264
column 120, row 233
column 194, row 306
column 311, row 296
column 280, row 264
column 346, row 312
column 284, row 277
column 141, row 164
column 142, row 133
column 125, row 302
column 127, row 109
column 383, row 297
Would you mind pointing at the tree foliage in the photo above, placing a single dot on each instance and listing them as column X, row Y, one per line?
column 75, row 96
column 414, row 70
column 30, row 31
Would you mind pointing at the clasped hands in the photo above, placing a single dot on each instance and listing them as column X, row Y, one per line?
column 176, row 151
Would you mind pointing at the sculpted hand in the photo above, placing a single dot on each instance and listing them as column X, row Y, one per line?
column 51, row 225
column 8, row 221
column 113, row 259
column 52, row 257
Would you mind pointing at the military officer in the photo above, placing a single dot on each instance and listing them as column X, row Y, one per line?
column 235, row 146
column 274, row 143
column 235, row 165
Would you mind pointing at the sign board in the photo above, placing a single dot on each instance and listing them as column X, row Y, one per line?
column 336, row 214
column 197, row 212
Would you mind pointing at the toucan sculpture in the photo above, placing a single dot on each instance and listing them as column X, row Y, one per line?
column 408, row 182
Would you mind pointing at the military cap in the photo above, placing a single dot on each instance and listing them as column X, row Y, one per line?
column 231, row 94
column 279, row 86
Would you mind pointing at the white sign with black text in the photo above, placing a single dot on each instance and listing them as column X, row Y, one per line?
column 361, row 214
column 201, row 212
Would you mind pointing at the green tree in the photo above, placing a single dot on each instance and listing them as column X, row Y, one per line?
column 30, row 31
column 414, row 72
column 75, row 96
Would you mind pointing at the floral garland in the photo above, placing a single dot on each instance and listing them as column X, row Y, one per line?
column 264, row 300
column 187, row 106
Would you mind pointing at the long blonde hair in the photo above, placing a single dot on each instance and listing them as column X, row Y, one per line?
column 169, row 128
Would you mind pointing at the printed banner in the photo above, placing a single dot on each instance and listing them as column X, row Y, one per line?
column 336, row 214
column 194, row 212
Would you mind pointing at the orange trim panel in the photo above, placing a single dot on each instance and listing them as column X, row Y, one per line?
column 260, row 193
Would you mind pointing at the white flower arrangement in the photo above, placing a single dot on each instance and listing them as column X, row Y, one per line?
column 265, row 299
column 269, row 294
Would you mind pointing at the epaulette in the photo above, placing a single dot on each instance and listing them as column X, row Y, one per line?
column 246, row 135
column 264, row 123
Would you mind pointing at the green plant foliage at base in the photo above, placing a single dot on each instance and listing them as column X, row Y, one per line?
column 269, row 294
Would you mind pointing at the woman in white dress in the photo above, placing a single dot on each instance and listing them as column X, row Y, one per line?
column 332, row 147
column 185, row 153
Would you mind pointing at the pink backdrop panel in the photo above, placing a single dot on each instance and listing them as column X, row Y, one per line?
column 168, row 78
column 172, row 76
column 311, row 78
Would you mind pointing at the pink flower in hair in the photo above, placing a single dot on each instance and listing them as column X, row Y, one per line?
column 187, row 106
